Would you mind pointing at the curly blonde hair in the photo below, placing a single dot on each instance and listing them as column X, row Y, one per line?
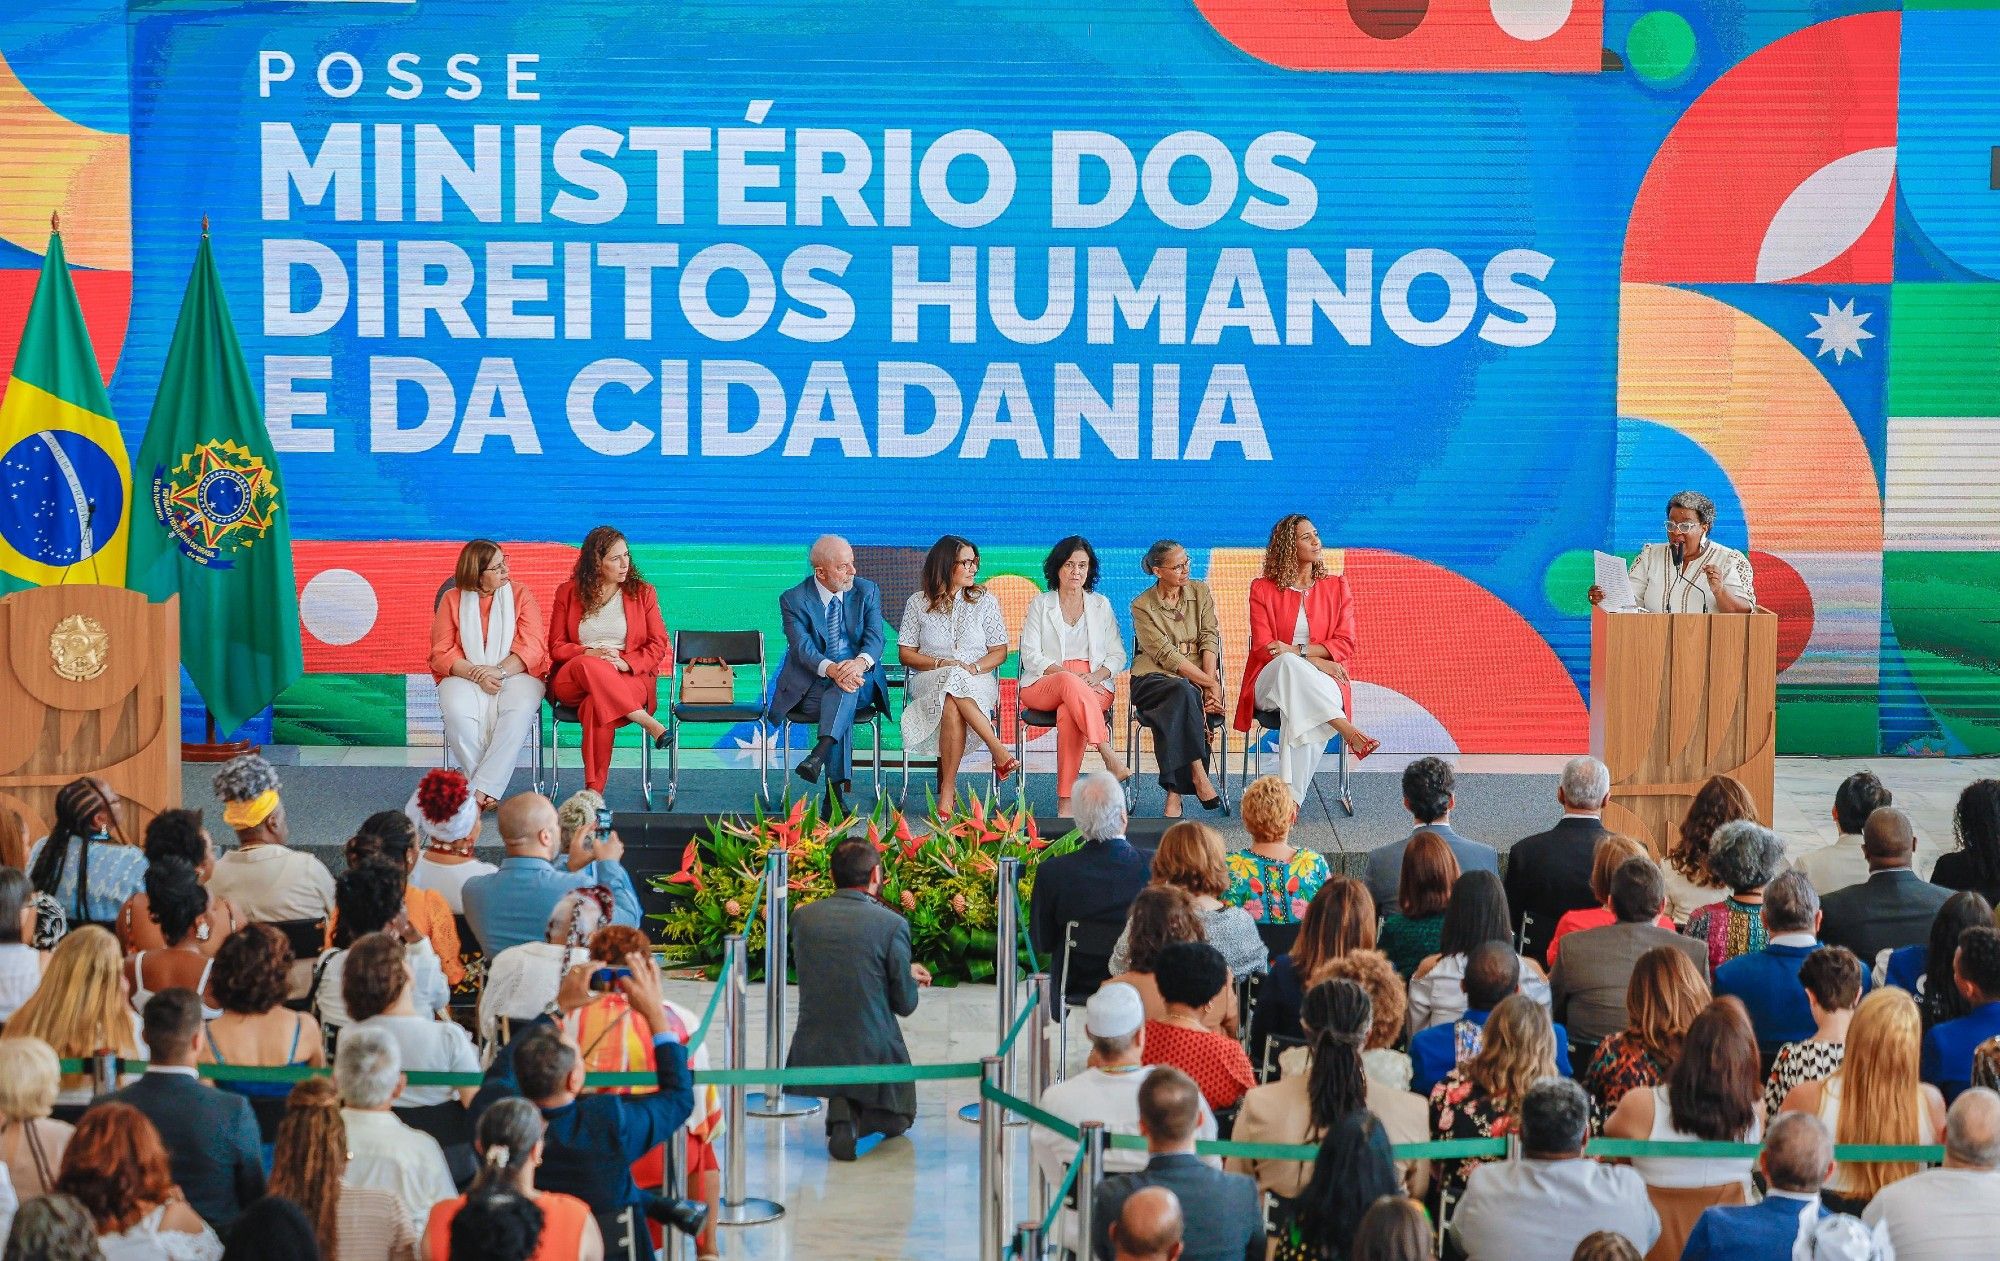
column 577, row 812
column 1281, row 559
column 1267, row 810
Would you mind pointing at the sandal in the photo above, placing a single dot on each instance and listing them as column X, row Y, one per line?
column 1006, row 769
column 1364, row 746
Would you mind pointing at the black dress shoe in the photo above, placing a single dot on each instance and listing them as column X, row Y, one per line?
column 810, row 766
column 665, row 738
column 839, row 1129
column 1211, row 803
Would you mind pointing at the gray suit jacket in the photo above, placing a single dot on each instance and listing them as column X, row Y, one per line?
column 1593, row 968
column 852, row 955
column 1889, row 910
column 1385, row 865
column 211, row 1141
column 1223, row 1213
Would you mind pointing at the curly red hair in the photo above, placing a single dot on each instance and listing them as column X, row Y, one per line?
column 441, row 794
column 116, row 1167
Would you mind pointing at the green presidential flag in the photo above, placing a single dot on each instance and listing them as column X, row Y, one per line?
column 209, row 522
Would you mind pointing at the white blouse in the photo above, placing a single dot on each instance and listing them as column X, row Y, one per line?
column 1048, row 640
column 1659, row 590
column 604, row 627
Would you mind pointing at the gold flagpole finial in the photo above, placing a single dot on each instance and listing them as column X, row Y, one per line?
column 204, row 225
column 55, row 221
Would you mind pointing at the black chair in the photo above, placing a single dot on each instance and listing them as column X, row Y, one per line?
column 896, row 676
column 732, row 648
column 451, row 1125
column 1247, row 990
column 1264, row 721
column 1217, row 724
column 1041, row 720
column 468, row 941
column 872, row 716
column 1084, row 963
column 1278, row 938
column 1275, row 1045
column 308, row 936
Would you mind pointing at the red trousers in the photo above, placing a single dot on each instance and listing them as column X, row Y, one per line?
column 602, row 696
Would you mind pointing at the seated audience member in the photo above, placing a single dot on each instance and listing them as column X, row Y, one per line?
column 1745, row 856
column 1427, row 794
column 1948, row 1048
column 1953, row 1213
column 1223, row 1214
column 1689, row 881
column 86, row 862
column 510, row 1150
column 1605, row 1245
column 1874, row 1097
column 1831, row 977
column 1711, row 1095
column 1766, row 981
column 1353, row 1169
column 1552, row 874
column 31, row 1141
column 117, row 1169
column 1395, row 1228
column 497, row 1226
column 211, row 1137
column 175, row 902
column 1843, row 863
column 308, row 1168
column 1594, row 968
column 1925, row 969
column 592, row 1141
column 1481, row 1097
column 1662, row 999
column 1612, row 853
column 512, row 905
column 1412, row 931
column 1273, row 880
column 1191, row 857
column 856, row 979
column 80, row 1008
column 1894, row 907
column 387, row 836
column 1340, row 918
column 273, row 1229
column 381, row 1150
column 1477, row 913
column 522, row 980
column 1161, row 915
column 1194, row 981
column 447, row 824
column 1371, row 970
column 1096, row 883
column 1106, row 1090
column 265, row 880
column 53, row 1227
column 1492, row 973
column 1798, row 1156
column 371, row 901
column 249, row 983
column 178, row 834
column 20, row 963
column 1303, row 1108
column 608, row 649
column 1543, row 1204
column 376, row 987
column 1149, row 1227
column 1975, row 864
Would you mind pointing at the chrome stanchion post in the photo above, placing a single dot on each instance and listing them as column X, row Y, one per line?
column 1035, row 1069
column 774, row 1103
column 995, row 1198
column 738, row 1209
column 1006, row 971
column 1028, row 1242
column 1090, row 1171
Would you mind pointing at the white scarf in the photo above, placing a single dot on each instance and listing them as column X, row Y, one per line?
column 498, row 640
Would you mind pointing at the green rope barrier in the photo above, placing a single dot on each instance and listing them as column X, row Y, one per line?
column 707, row 1017
column 1062, row 1193
column 1020, row 1023
column 826, row 1075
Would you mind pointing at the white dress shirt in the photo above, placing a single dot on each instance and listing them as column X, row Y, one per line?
column 383, row 1152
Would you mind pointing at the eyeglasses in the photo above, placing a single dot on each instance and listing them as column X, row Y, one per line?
column 970, row 562
column 1683, row 527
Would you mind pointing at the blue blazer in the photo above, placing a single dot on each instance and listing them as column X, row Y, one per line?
column 806, row 643
column 1767, row 982
column 1948, row 1048
column 1752, row 1232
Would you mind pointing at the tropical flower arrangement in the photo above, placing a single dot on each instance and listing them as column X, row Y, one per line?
column 940, row 876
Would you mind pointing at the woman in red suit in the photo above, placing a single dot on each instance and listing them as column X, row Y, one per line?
column 607, row 653
column 1301, row 641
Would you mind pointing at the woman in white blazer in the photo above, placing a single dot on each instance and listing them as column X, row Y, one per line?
column 1071, row 654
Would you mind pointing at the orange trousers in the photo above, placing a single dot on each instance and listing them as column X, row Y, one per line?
column 1080, row 711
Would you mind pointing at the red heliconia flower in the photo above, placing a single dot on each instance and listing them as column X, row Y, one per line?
column 903, row 827
column 875, row 837
column 690, row 870
column 1029, row 822
column 978, row 811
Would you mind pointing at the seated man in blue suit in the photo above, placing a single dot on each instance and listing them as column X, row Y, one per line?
column 1767, row 981
column 1948, row 1048
column 1798, row 1157
column 833, row 660
column 1492, row 973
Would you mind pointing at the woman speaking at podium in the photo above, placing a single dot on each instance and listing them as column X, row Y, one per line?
column 1690, row 572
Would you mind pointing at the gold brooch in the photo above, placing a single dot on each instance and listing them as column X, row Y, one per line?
column 79, row 647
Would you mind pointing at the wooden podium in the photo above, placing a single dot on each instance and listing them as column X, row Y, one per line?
column 1674, row 699
column 90, row 684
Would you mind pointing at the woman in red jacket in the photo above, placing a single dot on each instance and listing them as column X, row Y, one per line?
column 1301, row 641
column 608, row 647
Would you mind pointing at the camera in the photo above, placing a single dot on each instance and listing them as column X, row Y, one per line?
column 685, row 1216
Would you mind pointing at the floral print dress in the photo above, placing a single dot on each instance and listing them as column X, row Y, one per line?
column 1622, row 1064
column 1275, row 891
column 1460, row 1109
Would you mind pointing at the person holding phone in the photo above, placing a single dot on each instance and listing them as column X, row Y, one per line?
column 512, row 905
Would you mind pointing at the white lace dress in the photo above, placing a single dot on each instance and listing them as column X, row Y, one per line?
column 146, row 1241
column 966, row 631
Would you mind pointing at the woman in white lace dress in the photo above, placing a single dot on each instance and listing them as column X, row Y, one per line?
column 951, row 640
column 116, row 1167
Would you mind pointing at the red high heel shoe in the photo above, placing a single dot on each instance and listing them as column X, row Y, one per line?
column 1006, row 769
column 1363, row 747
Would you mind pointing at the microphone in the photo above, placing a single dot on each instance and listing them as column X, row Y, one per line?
column 1679, row 552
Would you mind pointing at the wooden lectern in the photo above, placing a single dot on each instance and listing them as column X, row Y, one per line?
column 1674, row 699
column 90, row 684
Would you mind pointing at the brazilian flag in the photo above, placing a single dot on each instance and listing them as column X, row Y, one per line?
column 65, row 483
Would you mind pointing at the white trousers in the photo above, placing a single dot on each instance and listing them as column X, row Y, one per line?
column 1307, row 701
column 485, row 733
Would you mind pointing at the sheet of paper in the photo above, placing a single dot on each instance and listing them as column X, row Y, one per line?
column 1614, row 579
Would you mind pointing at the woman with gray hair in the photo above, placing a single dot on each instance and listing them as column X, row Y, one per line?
column 510, row 1150
column 521, row 980
column 1690, row 572
column 1745, row 856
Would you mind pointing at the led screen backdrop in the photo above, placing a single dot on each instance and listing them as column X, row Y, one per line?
column 1476, row 284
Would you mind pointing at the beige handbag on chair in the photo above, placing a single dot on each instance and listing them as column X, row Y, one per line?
column 708, row 681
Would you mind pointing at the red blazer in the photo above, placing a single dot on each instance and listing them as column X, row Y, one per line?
column 1274, row 612
column 647, row 649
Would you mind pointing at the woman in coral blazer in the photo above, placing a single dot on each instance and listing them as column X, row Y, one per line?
column 1301, row 641
column 608, row 654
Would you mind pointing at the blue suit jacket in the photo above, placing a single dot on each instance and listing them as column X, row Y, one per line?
column 1434, row 1052
column 1767, row 982
column 1948, row 1048
column 1750, row 1232
column 806, row 643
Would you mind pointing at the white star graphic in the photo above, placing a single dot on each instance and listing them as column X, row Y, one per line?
column 1840, row 330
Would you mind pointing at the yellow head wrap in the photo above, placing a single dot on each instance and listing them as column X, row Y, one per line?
column 244, row 815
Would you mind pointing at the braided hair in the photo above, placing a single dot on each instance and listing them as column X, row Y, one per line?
column 77, row 807
column 1337, row 1016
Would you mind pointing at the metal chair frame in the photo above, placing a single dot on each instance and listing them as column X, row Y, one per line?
column 873, row 716
column 1253, row 754
column 560, row 714
column 690, row 645
column 1040, row 720
column 897, row 676
column 1132, row 725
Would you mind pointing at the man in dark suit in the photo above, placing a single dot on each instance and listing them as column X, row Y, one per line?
column 1548, row 874
column 1593, row 969
column 855, row 979
column 1797, row 1160
column 1095, row 884
column 833, row 660
column 1767, row 981
column 1427, row 794
column 1222, row 1213
column 210, row 1136
column 1894, row 907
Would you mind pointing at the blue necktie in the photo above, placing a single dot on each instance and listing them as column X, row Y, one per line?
column 836, row 630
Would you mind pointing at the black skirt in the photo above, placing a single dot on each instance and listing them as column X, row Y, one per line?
column 1170, row 706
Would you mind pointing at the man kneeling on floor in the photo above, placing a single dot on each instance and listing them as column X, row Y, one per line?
column 855, row 978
